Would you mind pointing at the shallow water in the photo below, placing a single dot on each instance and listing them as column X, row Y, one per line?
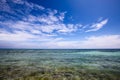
column 61, row 64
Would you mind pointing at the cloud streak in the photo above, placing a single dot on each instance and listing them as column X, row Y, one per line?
column 97, row 26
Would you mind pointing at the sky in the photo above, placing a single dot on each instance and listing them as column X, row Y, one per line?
column 60, row 24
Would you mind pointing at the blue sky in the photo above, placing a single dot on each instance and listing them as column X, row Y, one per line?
column 59, row 24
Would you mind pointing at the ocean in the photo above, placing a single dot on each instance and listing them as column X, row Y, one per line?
column 59, row 64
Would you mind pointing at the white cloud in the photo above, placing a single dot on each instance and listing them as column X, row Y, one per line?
column 18, row 1
column 33, row 6
column 97, row 26
column 104, row 41
column 70, row 28
column 18, row 36
column 4, row 6
column 61, row 17
column 47, row 22
column 28, row 5
column 44, row 30
column 9, row 6
column 36, row 31
column 44, row 23
column 23, row 36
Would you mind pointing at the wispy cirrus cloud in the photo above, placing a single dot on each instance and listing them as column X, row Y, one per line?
column 33, row 24
column 97, row 26
column 46, row 23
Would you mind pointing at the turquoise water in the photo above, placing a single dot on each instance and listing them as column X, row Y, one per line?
column 80, row 59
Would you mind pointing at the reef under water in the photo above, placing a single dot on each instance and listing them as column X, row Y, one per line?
column 60, row 64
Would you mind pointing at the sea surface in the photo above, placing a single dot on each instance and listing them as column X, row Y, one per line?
column 59, row 64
